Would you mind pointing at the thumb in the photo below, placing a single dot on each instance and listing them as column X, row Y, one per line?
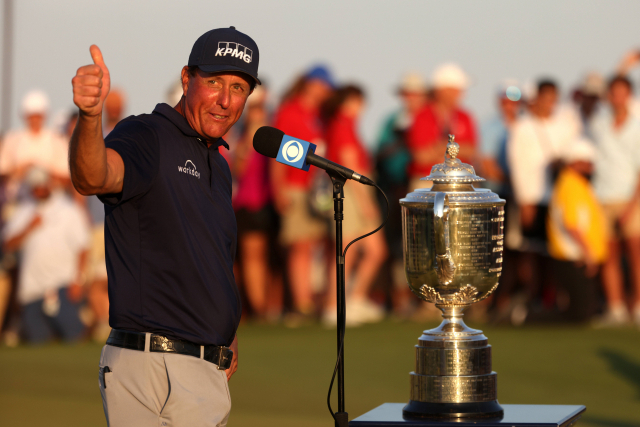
column 96, row 55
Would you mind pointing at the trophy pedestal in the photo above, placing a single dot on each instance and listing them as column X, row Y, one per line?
column 390, row 414
column 453, row 377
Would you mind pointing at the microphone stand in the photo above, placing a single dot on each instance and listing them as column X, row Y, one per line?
column 341, row 417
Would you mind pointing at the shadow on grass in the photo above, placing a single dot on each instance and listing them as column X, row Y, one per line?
column 620, row 364
column 607, row 422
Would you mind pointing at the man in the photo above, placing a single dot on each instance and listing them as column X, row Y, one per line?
column 392, row 158
column 33, row 146
column 617, row 185
column 494, row 135
column 52, row 235
column 427, row 138
column 170, row 236
column 536, row 144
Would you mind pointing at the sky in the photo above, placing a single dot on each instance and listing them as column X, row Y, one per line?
column 372, row 43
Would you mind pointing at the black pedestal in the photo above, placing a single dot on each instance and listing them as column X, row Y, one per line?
column 390, row 414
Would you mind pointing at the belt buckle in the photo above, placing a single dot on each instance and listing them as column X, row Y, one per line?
column 224, row 358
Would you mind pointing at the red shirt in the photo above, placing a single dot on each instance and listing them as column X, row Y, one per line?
column 427, row 130
column 341, row 134
column 294, row 120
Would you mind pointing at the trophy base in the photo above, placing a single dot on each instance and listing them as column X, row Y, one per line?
column 415, row 410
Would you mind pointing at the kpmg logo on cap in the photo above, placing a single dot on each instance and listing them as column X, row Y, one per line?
column 236, row 50
column 293, row 152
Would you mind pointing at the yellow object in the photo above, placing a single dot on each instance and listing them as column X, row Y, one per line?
column 574, row 207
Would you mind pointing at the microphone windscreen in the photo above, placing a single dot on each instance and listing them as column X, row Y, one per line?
column 267, row 140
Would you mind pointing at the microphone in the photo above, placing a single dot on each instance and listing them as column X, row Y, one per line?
column 290, row 151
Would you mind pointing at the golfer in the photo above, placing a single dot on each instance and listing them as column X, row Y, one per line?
column 170, row 236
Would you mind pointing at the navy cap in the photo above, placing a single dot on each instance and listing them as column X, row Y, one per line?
column 226, row 49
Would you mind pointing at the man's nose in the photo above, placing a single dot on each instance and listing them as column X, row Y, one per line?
column 224, row 97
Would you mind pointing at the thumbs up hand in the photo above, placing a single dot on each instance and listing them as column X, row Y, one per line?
column 91, row 85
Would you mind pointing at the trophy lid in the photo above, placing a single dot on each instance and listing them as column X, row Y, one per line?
column 452, row 171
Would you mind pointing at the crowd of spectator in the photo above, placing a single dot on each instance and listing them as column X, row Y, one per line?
column 568, row 170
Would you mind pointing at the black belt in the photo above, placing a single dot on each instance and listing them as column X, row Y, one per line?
column 217, row 355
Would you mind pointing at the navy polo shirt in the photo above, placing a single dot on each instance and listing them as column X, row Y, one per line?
column 170, row 235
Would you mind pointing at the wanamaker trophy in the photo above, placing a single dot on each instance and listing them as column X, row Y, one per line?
column 453, row 238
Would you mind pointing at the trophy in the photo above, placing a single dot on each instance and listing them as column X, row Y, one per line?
column 453, row 245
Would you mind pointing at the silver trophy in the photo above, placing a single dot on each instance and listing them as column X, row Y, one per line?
column 453, row 238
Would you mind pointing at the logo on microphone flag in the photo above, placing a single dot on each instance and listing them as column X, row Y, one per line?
column 293, row 152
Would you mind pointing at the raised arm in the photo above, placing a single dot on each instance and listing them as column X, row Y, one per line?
column 94, row 168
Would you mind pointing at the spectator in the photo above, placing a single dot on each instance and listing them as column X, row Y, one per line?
column 51, row 233
column 361, row 215
column 392, row 159
column 577, row 232
column 494, row 135
column 587, row 99
column 535, row 148
column 301, row 232
column 252, row 203
column 617, row 184
column 34, row 146
column 429, row 134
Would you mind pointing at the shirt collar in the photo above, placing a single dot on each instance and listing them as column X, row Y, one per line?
column 181, row 123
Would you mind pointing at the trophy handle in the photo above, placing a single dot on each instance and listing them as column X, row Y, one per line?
column 445, row 267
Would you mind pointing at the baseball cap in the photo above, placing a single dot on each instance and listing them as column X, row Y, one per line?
column 510, row 89
column 226, row 49
column 580, row 150
column 321, row 72
column 449, row 75
column 593, row 84
column 35, row 102
column 412, row 82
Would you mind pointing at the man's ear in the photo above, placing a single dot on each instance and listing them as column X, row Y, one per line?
column 185, row 77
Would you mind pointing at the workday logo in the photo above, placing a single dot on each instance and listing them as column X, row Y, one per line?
column 293, row 152
column 189, row 168
column 236, row 50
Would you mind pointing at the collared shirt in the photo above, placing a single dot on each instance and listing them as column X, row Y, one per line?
column 427, row 130
column 50, row 253
column 170, row 235
column 618, row 161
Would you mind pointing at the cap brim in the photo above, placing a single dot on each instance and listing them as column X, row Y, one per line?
column 223, row 68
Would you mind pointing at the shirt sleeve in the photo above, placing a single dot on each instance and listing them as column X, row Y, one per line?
column 137, row 144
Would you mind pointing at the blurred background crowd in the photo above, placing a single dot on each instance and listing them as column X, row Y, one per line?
column 566, row 159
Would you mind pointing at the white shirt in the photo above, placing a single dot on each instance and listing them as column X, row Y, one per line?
column 533, row 145
column 618, row 161
column 45, row 149
column 50, row 253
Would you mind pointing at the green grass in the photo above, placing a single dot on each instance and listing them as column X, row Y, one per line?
column 284, row 375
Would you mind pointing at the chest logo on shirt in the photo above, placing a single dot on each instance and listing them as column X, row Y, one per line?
column 189, row 168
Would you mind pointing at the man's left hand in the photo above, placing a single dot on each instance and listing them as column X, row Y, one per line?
column 234, row 361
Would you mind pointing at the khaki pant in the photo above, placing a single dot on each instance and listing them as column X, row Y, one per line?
column 161, row 389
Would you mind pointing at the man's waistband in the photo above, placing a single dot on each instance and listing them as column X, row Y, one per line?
column 218, row 355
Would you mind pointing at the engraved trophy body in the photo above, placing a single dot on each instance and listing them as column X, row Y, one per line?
column 453, row 246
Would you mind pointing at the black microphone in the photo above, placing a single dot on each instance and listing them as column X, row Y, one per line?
column 272, row 142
